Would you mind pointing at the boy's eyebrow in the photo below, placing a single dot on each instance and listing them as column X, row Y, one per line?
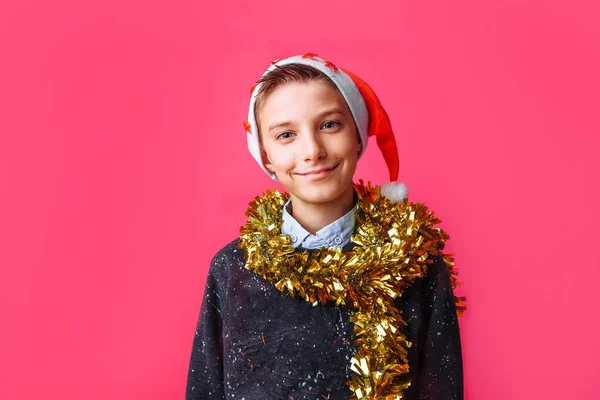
column 321, row 115
column 279, row 124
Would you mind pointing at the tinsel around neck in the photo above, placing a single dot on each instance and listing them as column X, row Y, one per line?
column 395, row 243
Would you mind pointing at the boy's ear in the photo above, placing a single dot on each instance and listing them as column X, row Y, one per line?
column 265, row 160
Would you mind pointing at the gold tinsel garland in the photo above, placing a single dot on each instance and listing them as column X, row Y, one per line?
column 395, row 243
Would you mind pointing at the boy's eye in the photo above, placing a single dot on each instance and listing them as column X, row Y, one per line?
column 284, row 135
column 330, row 124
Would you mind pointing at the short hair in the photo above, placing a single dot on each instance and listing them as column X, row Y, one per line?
column 285, row 74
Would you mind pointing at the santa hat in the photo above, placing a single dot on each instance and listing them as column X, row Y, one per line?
column 368, row 113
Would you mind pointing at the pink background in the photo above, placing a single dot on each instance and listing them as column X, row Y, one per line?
column 123, row 169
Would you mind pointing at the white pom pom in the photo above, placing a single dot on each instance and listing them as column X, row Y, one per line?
column 394, row 191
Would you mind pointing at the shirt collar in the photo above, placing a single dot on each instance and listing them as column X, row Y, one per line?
column 336, row 234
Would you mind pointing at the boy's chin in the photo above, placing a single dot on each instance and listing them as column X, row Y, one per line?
column 319, row 194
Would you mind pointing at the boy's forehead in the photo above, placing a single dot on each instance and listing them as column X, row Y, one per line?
column 311, row 96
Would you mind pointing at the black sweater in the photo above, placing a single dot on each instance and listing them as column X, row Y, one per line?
column 254, row 343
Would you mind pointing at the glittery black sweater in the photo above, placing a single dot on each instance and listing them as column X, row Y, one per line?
column 254, row 343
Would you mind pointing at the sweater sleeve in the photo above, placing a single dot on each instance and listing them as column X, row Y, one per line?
column 205, row 374
column 440, row 366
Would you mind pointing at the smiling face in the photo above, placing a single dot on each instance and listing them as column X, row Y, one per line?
column 310, row 142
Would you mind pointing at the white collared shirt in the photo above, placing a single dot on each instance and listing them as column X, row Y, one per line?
column 336, row 234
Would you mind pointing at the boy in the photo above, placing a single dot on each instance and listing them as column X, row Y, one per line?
column 332, row 291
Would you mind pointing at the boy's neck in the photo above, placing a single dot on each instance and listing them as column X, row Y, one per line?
column 314, row 217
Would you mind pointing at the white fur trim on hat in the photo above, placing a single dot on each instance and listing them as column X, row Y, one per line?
column 395, row 192
column 343, row 82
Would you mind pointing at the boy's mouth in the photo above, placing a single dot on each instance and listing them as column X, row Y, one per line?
column 318, row 174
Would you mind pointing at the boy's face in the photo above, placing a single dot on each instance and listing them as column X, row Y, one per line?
column 309, row 140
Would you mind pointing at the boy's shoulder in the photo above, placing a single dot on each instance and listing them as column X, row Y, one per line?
column 227, row 258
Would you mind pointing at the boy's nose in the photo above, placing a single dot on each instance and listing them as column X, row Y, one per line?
column 313, row 147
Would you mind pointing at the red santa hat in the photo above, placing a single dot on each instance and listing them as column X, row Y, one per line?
column 368, row 113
